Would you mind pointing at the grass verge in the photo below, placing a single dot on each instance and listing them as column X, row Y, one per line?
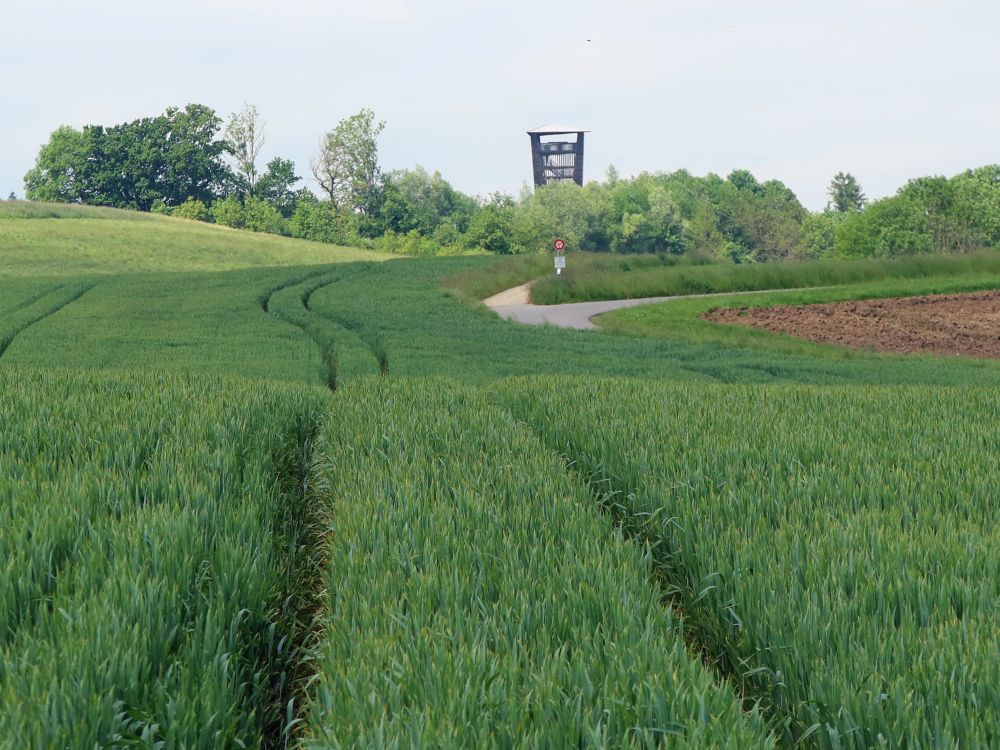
column 595, row 278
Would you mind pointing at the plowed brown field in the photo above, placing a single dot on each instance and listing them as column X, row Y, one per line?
column 965, row 324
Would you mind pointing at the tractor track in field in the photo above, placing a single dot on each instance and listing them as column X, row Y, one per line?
column 31, row 300
column 327, row 346
column 23, row 325
column 373, row 341
column 748, row 681
column 264, row 299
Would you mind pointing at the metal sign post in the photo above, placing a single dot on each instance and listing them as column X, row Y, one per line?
column 560, row 260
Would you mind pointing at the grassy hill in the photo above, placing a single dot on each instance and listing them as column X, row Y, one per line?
column 265, row 493
column 58, row 240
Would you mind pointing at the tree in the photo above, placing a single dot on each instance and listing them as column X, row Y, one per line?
column 819, row 233
column 493, row 225
column 346, row 166
column 168, row 158
column 61, row 168
column 845, row 193
column 275, row 185
column 245, row 136
column 192, row 155
column 743, row 179
column 887, row 228
column 414, row 199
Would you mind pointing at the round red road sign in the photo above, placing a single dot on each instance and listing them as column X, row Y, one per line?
column 559, row 245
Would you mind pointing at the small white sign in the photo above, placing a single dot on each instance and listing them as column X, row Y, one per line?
column 560, row 261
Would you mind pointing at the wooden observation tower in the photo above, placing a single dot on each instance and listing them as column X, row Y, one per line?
column 554, row 157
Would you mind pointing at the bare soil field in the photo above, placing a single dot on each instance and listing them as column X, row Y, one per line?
column 963, row 324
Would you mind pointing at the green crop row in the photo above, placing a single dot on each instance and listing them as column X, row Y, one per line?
column 833, row 549
column 475, row 600
column 149, row 537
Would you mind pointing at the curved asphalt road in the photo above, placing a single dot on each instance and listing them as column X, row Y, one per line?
column 513, row 304
column 572, row 315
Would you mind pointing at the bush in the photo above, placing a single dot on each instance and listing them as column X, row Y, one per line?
column 313, row 220
column 261, row 216
column 228, row 212
column 192, row 208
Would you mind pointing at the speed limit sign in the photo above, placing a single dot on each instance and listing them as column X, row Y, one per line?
column 558, row 245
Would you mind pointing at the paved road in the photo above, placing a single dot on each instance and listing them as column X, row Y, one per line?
column 513, row 304
column 572, row 315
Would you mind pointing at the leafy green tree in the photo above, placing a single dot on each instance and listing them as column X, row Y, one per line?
column 939, row 199
column 346, row 166
column 760, row 221
column 61, row 171
column 819, row 234
column 702, row 236
column 276, row 185
column 245, row 137
column 661, row 230
column 886, row 228
column 192, row 154
column 432, row 199
column 168, row 158
column 492, row 227
column 845, row 193
column 447, row 234
column 977, row 202
column 395, row 212
column 743, row 179
column 565, row 210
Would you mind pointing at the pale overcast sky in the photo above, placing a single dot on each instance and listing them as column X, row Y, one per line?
column 793, row 90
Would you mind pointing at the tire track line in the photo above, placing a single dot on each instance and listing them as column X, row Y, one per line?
column 8, row 338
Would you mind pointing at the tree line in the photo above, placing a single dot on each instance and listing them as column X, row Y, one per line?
column 193, row 164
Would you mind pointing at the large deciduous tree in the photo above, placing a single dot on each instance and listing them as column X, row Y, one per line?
column 61, row 168
column 346, row 166
column 168, row 159
column 245, row 137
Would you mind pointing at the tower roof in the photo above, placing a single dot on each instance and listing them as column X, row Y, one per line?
column 556, row 129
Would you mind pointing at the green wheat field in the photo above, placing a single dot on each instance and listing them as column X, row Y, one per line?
column 265, row 493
